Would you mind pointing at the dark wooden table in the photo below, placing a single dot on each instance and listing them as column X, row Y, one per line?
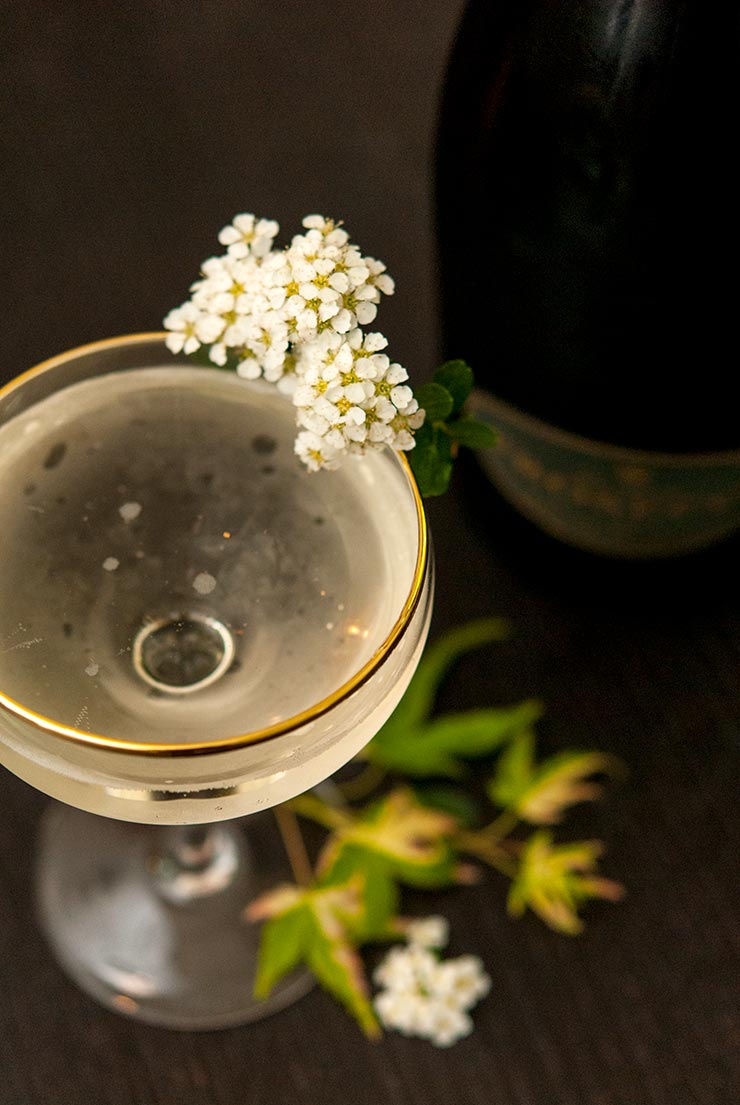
column 130, row 133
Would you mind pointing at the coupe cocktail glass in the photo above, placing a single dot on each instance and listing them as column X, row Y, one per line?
column 192, row 627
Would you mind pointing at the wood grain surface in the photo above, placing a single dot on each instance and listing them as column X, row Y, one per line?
column 129, row 134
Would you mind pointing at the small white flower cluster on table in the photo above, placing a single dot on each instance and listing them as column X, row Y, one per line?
column 425, row 996
column 294, row 317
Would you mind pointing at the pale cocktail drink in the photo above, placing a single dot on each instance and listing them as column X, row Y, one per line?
column 191, row 624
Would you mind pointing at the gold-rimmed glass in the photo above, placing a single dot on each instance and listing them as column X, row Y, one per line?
column 159, row 666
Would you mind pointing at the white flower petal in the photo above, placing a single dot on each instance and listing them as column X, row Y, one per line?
column 429, row 932
column 342, row 321
column 401, row 396
column 175, row 342
column 366, row 312
column 217, row 354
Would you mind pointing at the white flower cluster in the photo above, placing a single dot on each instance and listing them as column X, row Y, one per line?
column 424, row 996
column 295, row 317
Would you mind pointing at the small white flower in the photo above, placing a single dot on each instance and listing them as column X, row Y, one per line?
column 423, row 996
column 412, row 1014
column 247, row 235
column 449, row 1026
column 406, row 968
column 330, row 232
column 462, row 982
column 378, row 277
column 186, row 324
column 428, row 932
column 316, row 451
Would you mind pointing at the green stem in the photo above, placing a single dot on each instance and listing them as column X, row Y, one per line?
column 311, row 807
column 371, row 776
column 502, row 825
column 294, row 844
column 482, row 846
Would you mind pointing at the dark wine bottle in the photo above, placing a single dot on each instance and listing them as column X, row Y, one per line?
column 589, row 218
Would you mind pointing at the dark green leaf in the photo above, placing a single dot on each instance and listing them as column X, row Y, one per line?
column 436, row 401
column 457, row 378
column 413, row 758
column 471, row 434
column 431, row 460
column 480, row 732
column 417, row 703
column 437, row 747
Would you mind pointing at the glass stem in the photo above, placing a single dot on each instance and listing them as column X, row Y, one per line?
column 195, row 861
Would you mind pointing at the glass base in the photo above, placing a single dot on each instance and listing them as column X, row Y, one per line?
column 148, row 920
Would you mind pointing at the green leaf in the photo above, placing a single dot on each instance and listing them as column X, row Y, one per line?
column 431, row 460
column 479, row 732
column 417, row 703
column 414, row 759
column 281, row 947
column 338, row 968
column 514, row 770
column 438, row 747
column 542, row 793
column 413, row 841
column 436, row 401
column 456, row 377
column 380, row 893
column 317, row 924
column 556, row 880
column 472, row 434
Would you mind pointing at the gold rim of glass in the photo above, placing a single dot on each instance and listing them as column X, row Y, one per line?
column 297, row 721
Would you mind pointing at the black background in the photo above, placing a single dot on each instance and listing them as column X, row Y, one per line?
column 130, row 133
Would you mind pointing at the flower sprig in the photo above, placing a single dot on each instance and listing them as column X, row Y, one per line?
column 296, row 317
column 423, row 995
column 422, row 833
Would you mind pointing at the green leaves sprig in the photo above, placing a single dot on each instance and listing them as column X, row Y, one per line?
column 412, row 743
column 419, row 834
column 446, row 428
